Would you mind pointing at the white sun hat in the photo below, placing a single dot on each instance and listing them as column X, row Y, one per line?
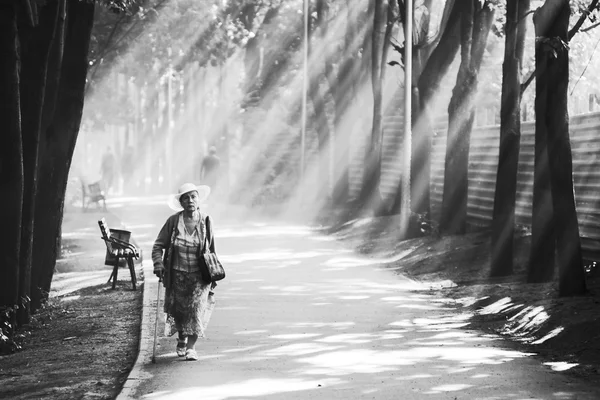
column 203, row 193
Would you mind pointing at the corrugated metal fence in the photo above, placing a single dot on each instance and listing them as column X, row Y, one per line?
column 483, row 164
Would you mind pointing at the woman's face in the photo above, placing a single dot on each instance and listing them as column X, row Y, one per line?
column 189, row 201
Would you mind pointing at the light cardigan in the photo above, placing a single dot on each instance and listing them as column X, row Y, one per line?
column 163, row 248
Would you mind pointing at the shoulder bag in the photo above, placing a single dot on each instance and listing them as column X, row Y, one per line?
column 211, row 268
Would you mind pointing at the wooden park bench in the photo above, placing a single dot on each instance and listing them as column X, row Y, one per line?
column 92, row 194
column 118, row 250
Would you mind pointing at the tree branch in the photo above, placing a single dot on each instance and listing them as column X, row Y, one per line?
column 593, row 5
column 527, row 82
column 589, row 28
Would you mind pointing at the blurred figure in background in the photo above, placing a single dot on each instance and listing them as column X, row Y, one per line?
column 108, row 169
column 209, row 171
column 127, row 167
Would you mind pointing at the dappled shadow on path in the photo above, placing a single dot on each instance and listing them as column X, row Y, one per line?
column 298, row 317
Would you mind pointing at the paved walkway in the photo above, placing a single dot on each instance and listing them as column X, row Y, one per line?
column 300, row 317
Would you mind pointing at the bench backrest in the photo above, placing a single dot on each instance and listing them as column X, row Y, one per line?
column 105, row 234
column 95, row 189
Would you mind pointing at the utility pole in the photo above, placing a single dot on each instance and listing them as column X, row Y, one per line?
column 405, row 197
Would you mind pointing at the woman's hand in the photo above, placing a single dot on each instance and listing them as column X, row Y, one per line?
column 159, row 271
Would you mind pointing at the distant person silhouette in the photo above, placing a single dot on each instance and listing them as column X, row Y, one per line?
column 108, row 168
column 209, row 171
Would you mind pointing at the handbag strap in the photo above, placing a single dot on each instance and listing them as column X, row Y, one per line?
column 207, row 241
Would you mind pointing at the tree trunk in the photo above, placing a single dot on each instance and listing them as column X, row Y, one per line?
column 542, row 259
column 503, row 221
column 475, row 26
column 35, row 46
column 11, row 156
column 51, row 98
column 554, row 16
column 60, row 138
column 428, row 87
column 370, row 193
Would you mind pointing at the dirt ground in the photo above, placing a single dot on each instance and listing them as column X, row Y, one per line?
column 83, row 344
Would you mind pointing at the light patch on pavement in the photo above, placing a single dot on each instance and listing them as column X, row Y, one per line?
column 561, row 365
column 294, row 336
column 448, row 388
column 244, row 389
column 354, row 338
column 270, row 255
column 300, row 349
column 417, row 307
column 357, row 361
column 324, row 324
column 347, row 262
column 242, row 349
column 365, row 361
column 415, row 377
column 254, row 332
column 264, row 231
column 390, row 336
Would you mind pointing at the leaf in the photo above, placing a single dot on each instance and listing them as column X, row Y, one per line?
column 398, row 48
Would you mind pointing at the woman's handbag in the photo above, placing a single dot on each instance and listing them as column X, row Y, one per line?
column 210, row 266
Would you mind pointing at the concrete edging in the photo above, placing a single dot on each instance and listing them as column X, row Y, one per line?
column 146, row 333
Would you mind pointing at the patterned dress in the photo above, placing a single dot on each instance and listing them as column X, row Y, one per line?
column 187, row 303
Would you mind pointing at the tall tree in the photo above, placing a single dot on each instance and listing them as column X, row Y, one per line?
column 11, row 161
column 552, row 124
column 59, row 140
column 434, row 56
column 382, row 14
column 503, row 221
column 476, row 21
column 35, row 43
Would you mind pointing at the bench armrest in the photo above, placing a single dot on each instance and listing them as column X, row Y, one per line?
column 120, row 244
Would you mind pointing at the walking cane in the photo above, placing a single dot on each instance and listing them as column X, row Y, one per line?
column 156, row 321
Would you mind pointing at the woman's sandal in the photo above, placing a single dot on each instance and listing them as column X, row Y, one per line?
column 191, row 355
column 180, row 349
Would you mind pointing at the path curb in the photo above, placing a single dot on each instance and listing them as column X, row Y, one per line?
column 146, row 333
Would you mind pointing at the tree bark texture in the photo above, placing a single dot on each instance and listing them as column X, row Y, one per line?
column 11, row 160
column 60, row 139
column 552, row 24
column 370, row 195
column 542, row 258
column 503, row 221
column 428, row 86
column 35, row 47
column 476, row 22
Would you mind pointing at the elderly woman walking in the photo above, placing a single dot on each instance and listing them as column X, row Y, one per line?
column 176, row 256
